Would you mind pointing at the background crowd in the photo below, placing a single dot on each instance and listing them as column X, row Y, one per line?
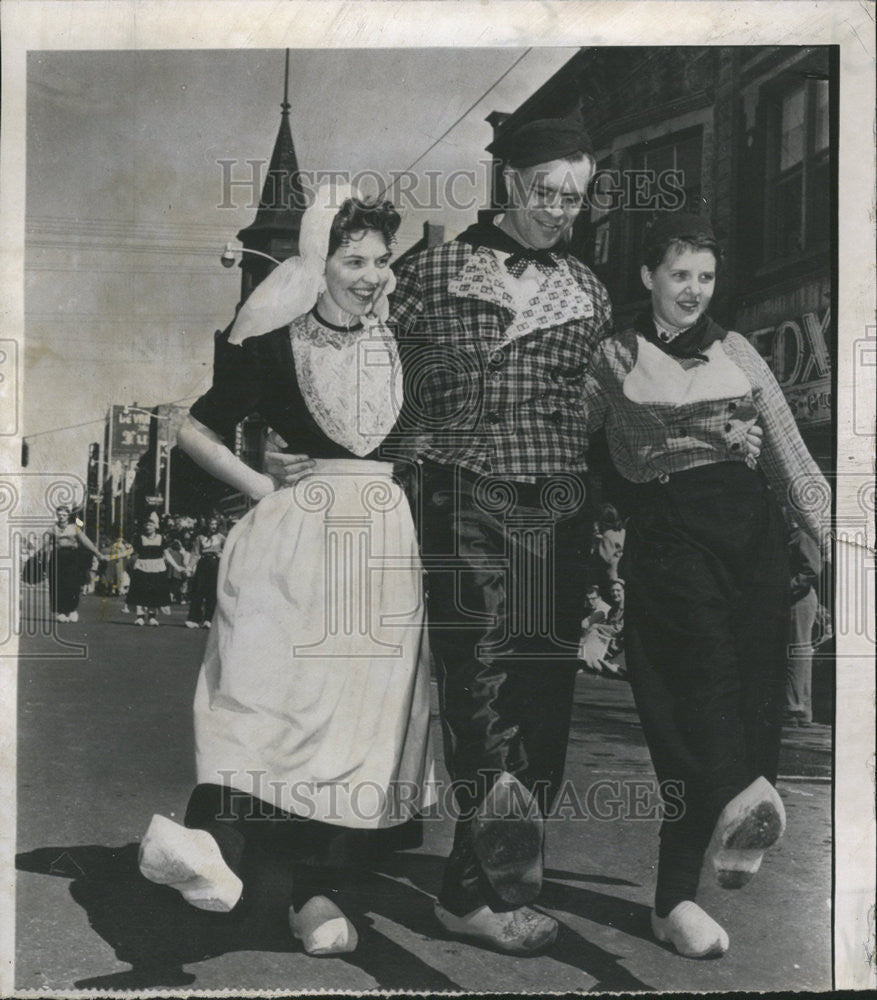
column 170, row 559
column 189, row 541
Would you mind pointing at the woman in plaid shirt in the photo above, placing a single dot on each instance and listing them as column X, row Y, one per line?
column 706, row 568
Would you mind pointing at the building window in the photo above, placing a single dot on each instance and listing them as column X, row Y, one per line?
column 629, row 188
column 672, row 173
column 798, row 170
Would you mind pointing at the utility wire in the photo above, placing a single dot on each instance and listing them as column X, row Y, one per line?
column 450, row 128
column 99, row 420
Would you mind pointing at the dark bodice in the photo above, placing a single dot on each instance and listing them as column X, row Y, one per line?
column 259, row 376
column 149, row 548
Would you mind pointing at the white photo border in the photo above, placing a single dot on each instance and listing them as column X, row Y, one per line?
column 29, row 25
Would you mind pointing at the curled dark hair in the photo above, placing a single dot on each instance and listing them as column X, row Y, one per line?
column 654, row 251
column 610, row 519
column 357, row 216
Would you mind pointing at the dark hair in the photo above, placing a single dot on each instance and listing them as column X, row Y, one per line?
column 593, row 589
column 654, row 251
column 357, row 216
column 609, row 518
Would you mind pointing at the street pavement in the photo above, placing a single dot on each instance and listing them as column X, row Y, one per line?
column 105, row 741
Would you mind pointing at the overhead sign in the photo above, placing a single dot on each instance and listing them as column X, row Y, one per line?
column 130, row 432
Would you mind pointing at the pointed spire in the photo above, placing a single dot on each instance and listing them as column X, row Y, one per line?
column 282, row 202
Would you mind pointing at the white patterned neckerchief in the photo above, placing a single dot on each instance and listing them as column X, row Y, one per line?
column 557, row 298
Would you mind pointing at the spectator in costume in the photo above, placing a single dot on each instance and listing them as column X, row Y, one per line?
column 65, row 545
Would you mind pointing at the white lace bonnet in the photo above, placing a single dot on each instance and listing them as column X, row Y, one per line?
column 293, row 287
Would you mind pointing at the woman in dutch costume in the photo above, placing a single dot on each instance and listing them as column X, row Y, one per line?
column 312, row 706
column 64, row 544
column 149, row 582
column 706, row 616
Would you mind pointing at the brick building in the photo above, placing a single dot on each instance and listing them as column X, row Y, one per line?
column 746, row 136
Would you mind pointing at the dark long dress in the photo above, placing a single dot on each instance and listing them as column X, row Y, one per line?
column 149, row 583
column 64, row 571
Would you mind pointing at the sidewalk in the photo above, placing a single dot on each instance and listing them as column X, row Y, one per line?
column 105, row 741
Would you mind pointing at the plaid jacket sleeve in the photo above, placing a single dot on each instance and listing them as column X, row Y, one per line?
column 597, row 384
column 788, row 465
column 607, row 325
column 406, row 302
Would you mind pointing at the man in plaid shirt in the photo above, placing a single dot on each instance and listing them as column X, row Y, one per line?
column 496, row 331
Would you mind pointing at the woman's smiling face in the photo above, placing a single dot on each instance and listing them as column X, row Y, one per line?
column 682, row 286
column 357, row 273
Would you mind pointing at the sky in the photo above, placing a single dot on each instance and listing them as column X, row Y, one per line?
column 127, row 210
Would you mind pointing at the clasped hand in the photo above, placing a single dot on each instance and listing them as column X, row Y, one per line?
column 287, row 470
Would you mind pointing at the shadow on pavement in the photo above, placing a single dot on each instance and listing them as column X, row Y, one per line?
column 570, row 947
column 158, row 934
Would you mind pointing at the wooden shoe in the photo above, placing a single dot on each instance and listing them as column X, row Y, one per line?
column 508, row 834
column 190, row 862
column 691, row 931
column 750, row 823
column 322, row 928
column 517, row 932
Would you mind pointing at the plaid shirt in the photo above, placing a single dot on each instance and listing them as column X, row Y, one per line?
column 486, row 387
column 664, row 415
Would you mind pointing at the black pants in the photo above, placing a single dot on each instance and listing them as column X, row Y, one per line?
column 204, row 588
column 248, row 829
column 706, row 623
column 505, row 597
column 65, row 579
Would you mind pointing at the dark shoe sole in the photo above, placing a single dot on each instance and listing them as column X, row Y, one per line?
column 508, row 834
column 742, row 847
column 759, row 829
column 510, row 853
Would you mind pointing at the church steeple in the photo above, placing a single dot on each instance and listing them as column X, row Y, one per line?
column 276, row 227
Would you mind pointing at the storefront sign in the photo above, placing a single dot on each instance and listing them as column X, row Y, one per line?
column 797, row 351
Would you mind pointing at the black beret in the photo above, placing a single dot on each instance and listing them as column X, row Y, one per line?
column 542, row 141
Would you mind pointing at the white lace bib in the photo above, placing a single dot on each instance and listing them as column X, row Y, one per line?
column 351, row 381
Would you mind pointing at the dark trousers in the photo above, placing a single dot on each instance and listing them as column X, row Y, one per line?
column 706, row 616
column 248, row 830
column 504, row 599
column 65, row 580
column 204, row 588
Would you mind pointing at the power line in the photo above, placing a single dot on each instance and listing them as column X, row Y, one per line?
column 471, row 107
column 128, row 272
column 99, row 420
column 62, row 224
column 69, row 427
column 115, row 246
